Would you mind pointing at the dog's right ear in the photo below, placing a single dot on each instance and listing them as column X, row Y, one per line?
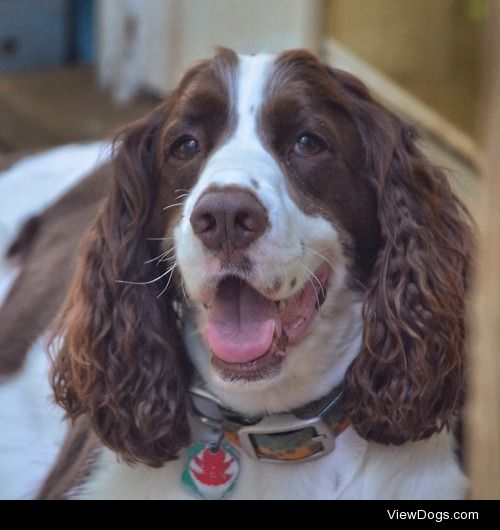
column 120, row 353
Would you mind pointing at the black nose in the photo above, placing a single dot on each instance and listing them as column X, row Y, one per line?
column 228, row 219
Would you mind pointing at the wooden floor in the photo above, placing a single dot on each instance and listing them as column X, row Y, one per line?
column 52, row 107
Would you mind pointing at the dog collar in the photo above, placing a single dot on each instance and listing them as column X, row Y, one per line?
column 304, row 434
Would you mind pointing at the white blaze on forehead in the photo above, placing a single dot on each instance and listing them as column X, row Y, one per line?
column 253, row 73
column 243, row 155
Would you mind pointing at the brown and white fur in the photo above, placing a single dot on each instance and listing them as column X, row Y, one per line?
column 341, row 201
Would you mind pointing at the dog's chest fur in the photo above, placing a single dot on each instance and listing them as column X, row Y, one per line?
column 356, row 469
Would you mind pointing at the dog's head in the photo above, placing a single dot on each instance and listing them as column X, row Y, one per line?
column 285, row 222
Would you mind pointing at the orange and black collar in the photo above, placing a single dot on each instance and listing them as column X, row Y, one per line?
column 304, row 434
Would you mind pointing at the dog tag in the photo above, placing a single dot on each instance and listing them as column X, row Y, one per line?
column 211, row 469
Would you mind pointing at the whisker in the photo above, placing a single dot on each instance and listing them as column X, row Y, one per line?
column 160, row 257
column 173, row 205
column 169, row 258
column 169, row 279
column 146, row 283
column 309, row 279
column 184, row 293
column 320, row 255
column 315, row 292
column 353, row 279
column 160, row 238
column 358, row 283
column 316, row 278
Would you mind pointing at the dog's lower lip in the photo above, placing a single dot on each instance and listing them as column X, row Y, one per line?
column 265, row 366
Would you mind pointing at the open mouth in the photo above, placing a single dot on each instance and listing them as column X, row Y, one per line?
column 248, row 333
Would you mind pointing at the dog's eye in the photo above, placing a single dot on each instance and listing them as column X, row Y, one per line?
column 308, row 145
column 185, row 148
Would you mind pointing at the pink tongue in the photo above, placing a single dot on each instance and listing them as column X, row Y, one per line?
column 241, row 323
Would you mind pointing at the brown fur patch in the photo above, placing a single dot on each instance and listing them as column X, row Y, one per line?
column 304, row 97
column 74, row 464
column 48, row 261
column 9, row 160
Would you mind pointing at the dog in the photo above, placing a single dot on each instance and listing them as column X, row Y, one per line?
column 260, row 295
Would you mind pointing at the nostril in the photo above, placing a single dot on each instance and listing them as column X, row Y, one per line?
column 252, row 220
column 204, row 223
column 244, row 220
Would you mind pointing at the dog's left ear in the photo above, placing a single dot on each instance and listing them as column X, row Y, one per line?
column 408, row 380
column 119, row 352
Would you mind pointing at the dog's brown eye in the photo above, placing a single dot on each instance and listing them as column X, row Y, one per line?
column 185, row 148
column 308, row 145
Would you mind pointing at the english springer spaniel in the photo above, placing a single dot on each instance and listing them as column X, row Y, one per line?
column 260, row 295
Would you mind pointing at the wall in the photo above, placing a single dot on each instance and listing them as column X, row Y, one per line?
column 432, row 48
column 484, row 413
column 149, row 43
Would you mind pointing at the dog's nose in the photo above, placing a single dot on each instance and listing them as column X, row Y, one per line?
column 228, row 219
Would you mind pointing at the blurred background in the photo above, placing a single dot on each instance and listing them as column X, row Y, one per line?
column 75, row 70
column 55, row 55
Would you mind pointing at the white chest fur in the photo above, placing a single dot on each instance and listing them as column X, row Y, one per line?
column 356, row 469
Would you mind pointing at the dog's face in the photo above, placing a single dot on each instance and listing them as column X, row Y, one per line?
column 312, row 244
column 276, row 218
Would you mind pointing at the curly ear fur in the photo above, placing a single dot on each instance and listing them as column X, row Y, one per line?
column 120, row 353
column 408, row 380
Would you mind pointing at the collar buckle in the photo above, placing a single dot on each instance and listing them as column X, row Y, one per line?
column 320, row 437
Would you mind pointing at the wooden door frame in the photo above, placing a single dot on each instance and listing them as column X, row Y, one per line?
column 483, row 425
